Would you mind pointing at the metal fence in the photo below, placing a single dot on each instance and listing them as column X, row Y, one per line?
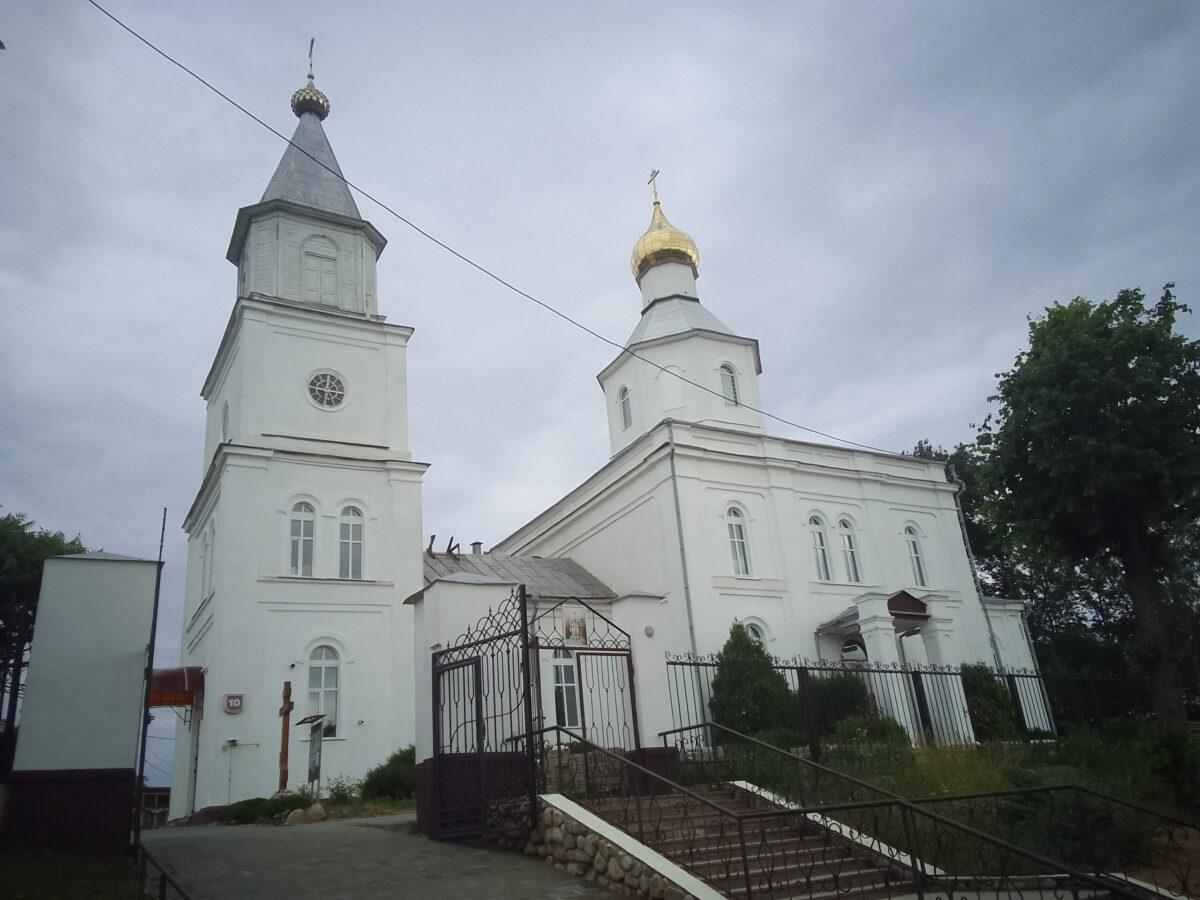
column 936, row 705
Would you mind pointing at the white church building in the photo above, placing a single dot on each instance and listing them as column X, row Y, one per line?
column 306, row 560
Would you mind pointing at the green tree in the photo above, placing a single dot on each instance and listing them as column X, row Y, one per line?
column 748, row 695
column 23, row 549
column 1078, row 612
column 1094, row 457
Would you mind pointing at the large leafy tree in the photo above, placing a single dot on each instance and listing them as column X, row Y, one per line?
column 23, row 549
column 1093, row 458
column 1078, row 612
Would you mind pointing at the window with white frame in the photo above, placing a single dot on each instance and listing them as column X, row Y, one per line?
column 626, row 407
column 735, row 522
column 323, row 665
column 756, row 633
column 566, row 691
column 302, row 539
column 820, row 547
column 350, row 543
column 729, row 385
column 849, row 551
column 911, row 538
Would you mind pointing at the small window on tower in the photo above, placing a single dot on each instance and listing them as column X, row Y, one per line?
column 626, row 407
column 729, row 385
column 320, row 278
column 326, row 390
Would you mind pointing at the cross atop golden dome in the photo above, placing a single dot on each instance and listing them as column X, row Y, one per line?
column 662, row 242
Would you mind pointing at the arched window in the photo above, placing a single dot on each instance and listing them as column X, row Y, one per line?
column 729, row 385
column 737, row 541
column 320, row 272
column 914, row 556
column 820, row 547
column 302, row 538
column 323, row 687
column 849, row 551
column 756, row 633
column 566, row 691
column 626, row 407
column 350, row 555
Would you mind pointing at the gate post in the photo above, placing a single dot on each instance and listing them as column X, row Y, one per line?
column 530, row 753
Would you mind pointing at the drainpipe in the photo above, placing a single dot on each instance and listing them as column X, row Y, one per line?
column 687, row 588
column 962, row 526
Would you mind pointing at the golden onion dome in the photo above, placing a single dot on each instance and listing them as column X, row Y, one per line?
column 661, row 242
column 309, row 99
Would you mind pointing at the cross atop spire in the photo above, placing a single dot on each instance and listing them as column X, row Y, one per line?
column 653, row 182
column 311, row 41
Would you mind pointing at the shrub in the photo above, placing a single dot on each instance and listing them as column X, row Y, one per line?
column 342, row 789
column 989, row 704
column 871, row 730
column 396, row 778
column 782, row 737
column 748, row 695
column 836, row 697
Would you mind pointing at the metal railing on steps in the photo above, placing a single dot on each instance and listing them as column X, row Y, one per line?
column 1130, row 848
column 748, row 840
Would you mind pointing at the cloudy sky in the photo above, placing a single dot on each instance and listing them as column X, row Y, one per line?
column 881, row 193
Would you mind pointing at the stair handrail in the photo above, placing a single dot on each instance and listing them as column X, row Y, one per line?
column 808, row 762
column 915, row 864
column 1099, row 880
column 1189, row 876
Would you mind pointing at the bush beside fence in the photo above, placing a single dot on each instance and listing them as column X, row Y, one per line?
column 934, row 705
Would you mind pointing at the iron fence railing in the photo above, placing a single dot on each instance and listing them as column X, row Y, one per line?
column 936, row 705
column 1090, row 830
column 747, row 840
column 166, row 885
column 1133, row 849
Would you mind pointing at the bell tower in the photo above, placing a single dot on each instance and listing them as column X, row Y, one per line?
column 304, row 536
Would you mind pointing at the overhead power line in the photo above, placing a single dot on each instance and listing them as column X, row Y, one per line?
column 479, row 267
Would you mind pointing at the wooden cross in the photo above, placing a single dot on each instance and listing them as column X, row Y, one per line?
column 653, row 182
column 285, row 712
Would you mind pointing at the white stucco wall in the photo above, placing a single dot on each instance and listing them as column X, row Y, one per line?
column 250, row 623
column 621, row 525
column 84, row 693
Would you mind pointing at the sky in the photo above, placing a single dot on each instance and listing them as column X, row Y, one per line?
column 882, row 193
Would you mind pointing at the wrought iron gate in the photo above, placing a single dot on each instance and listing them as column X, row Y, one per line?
column 488, row 710
column 483, row 720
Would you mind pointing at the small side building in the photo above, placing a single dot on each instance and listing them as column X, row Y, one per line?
column 72, row 783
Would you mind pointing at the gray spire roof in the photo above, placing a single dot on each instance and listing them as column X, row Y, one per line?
column 300, row 179
column 674, row 315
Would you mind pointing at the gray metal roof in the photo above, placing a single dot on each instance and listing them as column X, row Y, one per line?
column 555, row 578
column 101, row 554
column 300, row 179
column 675, row 315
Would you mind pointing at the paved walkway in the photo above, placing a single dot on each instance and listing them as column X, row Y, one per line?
column 361, row 858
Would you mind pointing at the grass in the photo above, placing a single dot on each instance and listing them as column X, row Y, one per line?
column 39, row 874
column 358, row 808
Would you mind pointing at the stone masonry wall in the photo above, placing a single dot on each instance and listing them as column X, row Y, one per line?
column 574, row 848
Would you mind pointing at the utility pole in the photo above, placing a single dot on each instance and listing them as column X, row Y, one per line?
column 285, row 713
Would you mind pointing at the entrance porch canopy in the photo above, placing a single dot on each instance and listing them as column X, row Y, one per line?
column 176, row 687
column 907, row 611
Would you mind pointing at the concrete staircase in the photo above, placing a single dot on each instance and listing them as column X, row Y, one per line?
column 785, row 856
